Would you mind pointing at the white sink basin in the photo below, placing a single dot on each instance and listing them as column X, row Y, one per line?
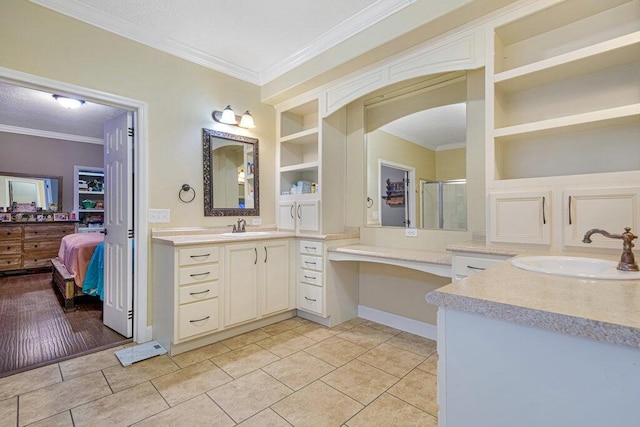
column 586, row 268
column 246, row 234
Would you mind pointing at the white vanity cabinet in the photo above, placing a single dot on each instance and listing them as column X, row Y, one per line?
column 522, row 217
column 301, row 215
column 187, row 289
column 464, row 264
column 257, row 280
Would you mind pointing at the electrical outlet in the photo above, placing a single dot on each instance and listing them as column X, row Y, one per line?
column 375, row 214
column 159, row 215
column 256, row 221
column 411, row 232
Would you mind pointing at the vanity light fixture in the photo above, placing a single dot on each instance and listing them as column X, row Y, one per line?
column 228, row 117
column 66, row 102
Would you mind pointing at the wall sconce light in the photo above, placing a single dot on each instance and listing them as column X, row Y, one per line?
column 66, row 102
column 228, row 117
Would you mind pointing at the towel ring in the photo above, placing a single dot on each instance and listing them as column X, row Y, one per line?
column 369, row 202
column 186, row 188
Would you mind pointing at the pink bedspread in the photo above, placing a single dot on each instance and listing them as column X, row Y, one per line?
column 76, row 251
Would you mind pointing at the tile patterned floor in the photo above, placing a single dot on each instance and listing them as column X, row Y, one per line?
column 292, row 373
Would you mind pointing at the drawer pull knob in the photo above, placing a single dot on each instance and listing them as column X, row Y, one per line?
column 198, row 293
column 310, row 299
column 199, row 256
column 206, row 273
column 475, row 268
column 199, row 320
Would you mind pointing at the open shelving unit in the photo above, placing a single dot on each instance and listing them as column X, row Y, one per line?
column 91, row 220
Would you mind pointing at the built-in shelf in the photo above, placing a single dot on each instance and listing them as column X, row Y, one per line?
column 90, row 192
column 308, row 136
column 618, row 116
column 302, row 167
column 609, row 54
column 91, row 210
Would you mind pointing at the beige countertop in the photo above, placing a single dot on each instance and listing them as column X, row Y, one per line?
column 603, row 310
column 478, row 247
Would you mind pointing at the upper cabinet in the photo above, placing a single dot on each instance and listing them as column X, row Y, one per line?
column 563, row 112
column 311, row 173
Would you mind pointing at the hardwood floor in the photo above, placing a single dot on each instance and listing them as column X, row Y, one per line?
column 35, row 331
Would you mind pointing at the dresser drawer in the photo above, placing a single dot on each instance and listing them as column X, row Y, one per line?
column 198, row 292
column 311, row 277
column 198, row 273
column 10, row 232
column 199, row 255
column 57, row 231
column 197, row 318
column 9, row 247
column 10, row 262
column 310, row 298
column 42, row 245
column 466, row 266
column 311, row 262
column 40, row 261
column 308, row 247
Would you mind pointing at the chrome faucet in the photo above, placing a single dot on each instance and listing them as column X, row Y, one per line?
column 241, row 227
column 627, row 260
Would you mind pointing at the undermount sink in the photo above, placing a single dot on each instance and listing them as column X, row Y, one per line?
column 246, row 234
column 586, row 268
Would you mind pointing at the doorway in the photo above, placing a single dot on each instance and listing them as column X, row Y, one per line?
column 141, row 332
column 396, row 195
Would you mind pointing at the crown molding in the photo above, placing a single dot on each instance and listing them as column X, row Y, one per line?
column 349, row 28
column 451, row 146
column 97, row 18
column 49, row 134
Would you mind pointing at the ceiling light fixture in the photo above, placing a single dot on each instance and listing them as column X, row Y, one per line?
column 228, row 117
column 67, row 102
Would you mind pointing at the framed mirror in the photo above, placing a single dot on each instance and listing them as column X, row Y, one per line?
column 230, row 173
column 25, row 189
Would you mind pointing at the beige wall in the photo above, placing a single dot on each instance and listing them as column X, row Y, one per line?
column 181, row 97
column 451, row 164
column 46, row 156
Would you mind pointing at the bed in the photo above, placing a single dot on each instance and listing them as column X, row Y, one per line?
column 79, row 267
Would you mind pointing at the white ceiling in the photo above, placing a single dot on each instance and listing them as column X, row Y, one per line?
column 254, row 40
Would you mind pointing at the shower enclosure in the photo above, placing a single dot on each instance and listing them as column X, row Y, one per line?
column 443, row 204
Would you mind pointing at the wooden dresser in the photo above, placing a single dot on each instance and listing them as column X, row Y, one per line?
column 31, row 245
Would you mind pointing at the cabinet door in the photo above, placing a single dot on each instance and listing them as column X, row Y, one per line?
column 286, row 215
column 307, row 214
column 610, row 209
column 240, row 283
column 275, row 276
column 521, row 217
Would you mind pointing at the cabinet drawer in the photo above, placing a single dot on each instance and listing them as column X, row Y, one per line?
column 308, row 247
column 36, row 262
column 8, row 247
column 198, row 273
column 466, row 266
column 311, row 277
column 12, row 262
column 10, row 232
column 197, row 318
column 42, row 245
column 199, row 255
column 311, row 262
column 48, row 231
column 310, row 298
column 198, row 292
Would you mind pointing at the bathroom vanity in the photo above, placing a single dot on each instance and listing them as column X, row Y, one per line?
column 523, row 348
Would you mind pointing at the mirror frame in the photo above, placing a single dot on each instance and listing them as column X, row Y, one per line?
column 39, row 176
column 207, row 173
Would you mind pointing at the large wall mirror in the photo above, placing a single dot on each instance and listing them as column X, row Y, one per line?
column 230, row 169
column 42, row 190
column 415, row 135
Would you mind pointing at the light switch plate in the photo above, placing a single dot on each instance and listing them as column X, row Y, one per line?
column 256, row 221
column 411, row 232
column 159, row 215
column 375, row 214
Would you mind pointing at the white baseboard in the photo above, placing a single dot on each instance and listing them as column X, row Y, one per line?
column 416, row 327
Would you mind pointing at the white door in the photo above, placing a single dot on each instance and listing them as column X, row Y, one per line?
column 118, row 222
column 308, row 213
column 520, row 217
column 240, row 283
column 275, row 276
column 286, row 215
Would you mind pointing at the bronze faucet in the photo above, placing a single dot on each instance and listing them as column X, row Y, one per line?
column 627, row 260
column 241, row 226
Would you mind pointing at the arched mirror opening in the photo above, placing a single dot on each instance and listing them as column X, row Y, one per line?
column 230, row 174
column 30, row 192
column 415, row 140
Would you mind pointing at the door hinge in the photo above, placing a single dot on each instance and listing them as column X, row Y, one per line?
column 131, row 234
column 131, row 131
column 130, row 315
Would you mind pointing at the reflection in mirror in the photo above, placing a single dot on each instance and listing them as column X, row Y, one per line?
column 230, row 167
column 45, row 191
column 416, row 155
